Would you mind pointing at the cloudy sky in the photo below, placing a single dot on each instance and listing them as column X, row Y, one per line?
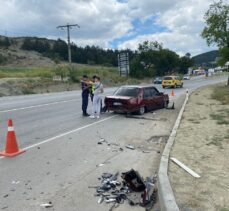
column 116, row 24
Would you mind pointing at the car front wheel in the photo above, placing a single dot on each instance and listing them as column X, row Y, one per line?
column 165, row 105
column 142, row 110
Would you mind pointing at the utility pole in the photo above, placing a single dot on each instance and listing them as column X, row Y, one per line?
column 68, row 26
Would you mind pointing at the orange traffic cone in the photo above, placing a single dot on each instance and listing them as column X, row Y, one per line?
column 172, row 93
column 11, row 149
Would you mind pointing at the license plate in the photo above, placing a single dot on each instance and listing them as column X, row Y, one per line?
column 117, row 104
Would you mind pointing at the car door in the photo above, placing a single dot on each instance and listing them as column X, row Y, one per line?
column 157, row 99
column 147, row 98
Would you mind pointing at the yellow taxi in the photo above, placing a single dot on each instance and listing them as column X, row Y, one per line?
column 172, row 82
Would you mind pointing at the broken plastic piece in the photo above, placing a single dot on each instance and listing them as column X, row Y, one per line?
column 15, row 182
column 130, row 147
column 110, row 200
column 144, row 151
column 47, row 205
column 100, row 201
column 190, row 171
column 106, row 175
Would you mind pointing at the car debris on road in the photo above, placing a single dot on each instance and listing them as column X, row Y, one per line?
column 130, row 147
column 47, row 205
column 132, row 189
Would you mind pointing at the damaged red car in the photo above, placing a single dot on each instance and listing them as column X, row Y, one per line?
column 139, row 99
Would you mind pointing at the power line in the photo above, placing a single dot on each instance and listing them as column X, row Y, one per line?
column 68, row 26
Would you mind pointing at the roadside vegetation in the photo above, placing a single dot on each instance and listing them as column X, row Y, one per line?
column 17, row 81
column 221, row 93
column 74, row 73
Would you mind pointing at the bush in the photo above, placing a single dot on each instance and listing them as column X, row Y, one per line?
column 3, row 59
column 27, row 91
column 5, row 43
column 221, row 93
column 62, row 71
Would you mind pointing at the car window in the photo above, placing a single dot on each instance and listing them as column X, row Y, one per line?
column 153, row 92
column 168, row 78
column 127, row 91
column 147, row 93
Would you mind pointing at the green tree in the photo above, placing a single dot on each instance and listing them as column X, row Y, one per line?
column 146, row 46
column 2, row 59
column 185, row 63
column 216, row 30
column 61, row 48
column 136, row 67
column 27, row 44
column 5, row 42
column 152, row 60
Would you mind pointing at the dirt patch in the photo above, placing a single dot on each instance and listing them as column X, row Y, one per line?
column 17, row 57
column 202, row 143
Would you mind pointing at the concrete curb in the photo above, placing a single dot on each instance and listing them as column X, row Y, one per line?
column 166, row 197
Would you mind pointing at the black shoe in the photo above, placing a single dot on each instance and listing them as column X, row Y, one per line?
column 86, row 114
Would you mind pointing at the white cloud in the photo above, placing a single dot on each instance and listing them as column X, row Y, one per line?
column 180, row 43
column 103, row 21
column 184, row 23
column 100, row 21
column 147, row 8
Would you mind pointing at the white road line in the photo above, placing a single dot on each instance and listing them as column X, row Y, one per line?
column 67, row 133
column 37, row 106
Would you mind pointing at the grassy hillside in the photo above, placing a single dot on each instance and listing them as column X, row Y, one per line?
column 206, row 59
column 15, row 49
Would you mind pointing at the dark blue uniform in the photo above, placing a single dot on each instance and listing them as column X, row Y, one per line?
column 85, row 95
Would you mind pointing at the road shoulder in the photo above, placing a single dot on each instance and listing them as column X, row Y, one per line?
column 202, row 143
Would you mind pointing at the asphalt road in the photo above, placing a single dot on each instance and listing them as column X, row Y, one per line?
column 62, row 154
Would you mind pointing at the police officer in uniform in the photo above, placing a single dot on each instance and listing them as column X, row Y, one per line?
column 85, row 94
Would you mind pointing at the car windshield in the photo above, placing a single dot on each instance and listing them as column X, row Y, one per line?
column 127, row 91
column 168, row 78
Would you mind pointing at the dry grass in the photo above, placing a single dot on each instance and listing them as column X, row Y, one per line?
column 221, row 93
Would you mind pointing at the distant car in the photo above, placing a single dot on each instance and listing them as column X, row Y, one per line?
column 158, row 80
column 186, row 77
column 139, row 99
column 172, row 82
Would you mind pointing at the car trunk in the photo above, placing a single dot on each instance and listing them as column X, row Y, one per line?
column 117, row 102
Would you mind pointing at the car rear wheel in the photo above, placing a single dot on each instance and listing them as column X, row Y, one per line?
column 141, row 110
column 181, row 86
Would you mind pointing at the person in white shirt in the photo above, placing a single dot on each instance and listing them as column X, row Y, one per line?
column 96, row 104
